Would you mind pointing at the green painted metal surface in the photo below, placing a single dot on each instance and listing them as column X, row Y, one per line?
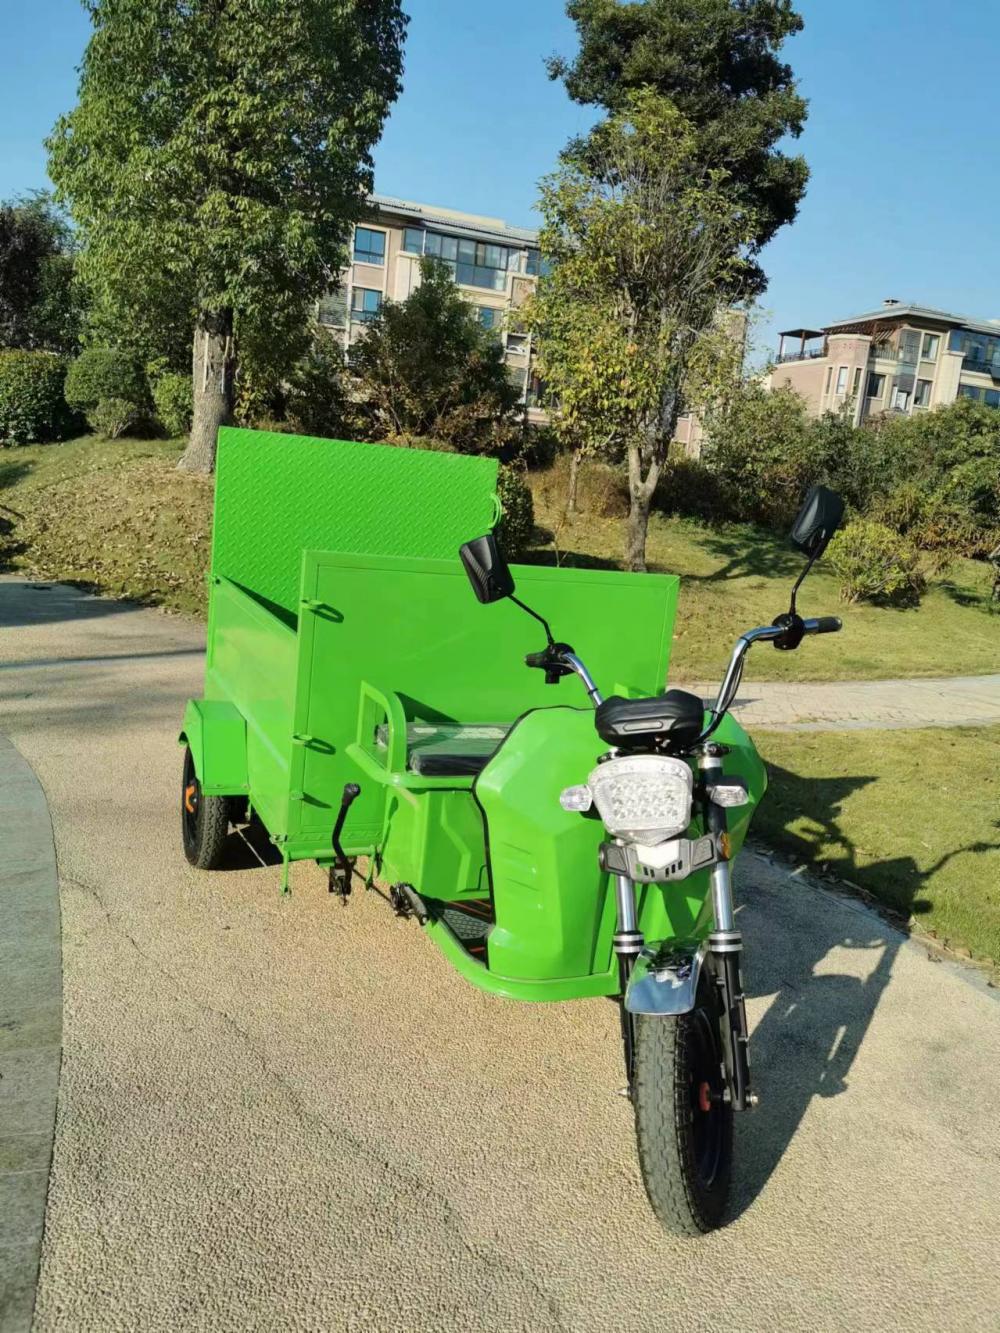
column 555, row 911
column 217, row 734
column 278, row 495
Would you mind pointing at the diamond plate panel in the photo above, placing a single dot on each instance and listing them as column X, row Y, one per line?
column 278, row 495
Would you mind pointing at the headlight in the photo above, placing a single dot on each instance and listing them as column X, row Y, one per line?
column 645, row 796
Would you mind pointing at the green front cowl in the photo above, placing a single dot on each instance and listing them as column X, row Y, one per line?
column 554, row 908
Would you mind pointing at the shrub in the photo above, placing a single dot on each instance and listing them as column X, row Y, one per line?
column 173, row 397
column 316, row 399
column 32, row 405
column 101, row 373
column 517, row 523
column 875, row 564
column 688, row 487
column 112, row 417
column 602, row 490
column 420, row 442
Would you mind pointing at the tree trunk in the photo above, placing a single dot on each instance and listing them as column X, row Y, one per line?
column 640, row 492
column 574, row 477
column 213, row 368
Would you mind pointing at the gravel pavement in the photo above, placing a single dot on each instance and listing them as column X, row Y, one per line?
column 285, row 1114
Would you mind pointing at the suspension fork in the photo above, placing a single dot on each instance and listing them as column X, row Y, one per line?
column 725, row 943
column 627, row 942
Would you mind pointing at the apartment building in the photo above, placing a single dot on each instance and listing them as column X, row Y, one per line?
column 900, row 358
column 495, row 266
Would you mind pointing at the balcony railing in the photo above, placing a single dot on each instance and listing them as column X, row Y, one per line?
column 982, row 367
column 808, row 355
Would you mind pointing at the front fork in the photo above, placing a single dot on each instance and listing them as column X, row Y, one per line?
column 725, row 944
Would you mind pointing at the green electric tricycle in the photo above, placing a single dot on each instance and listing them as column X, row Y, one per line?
column 358, row 703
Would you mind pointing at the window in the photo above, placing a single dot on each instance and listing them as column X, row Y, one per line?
column 900, row 400
column 857, row 382
column 365, row 303
column 909, row 345
column 369, row 246
column 876, row 386
column 517, row 343
column 922, row 394
column 536, row 265
column 518, row 376
column 929, row 350
column 472, row 263
column 332, row 309
column 489, row 316
column 829, row 377
column 842, row 379
column 992, row 398
column 413, row 241
column 970, row 391
column 980, row 352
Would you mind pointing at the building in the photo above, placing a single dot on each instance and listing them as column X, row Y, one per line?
column 900, row 358
column 496, row 267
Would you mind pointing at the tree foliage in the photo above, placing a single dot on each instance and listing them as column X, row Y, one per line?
column 219, row 152
column 718, row 63
column 40, row 306
column 426, row 367
column 644, row 243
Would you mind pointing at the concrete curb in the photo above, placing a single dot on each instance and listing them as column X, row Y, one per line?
column 30, row 1029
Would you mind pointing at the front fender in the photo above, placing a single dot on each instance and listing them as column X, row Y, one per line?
column 664, row 980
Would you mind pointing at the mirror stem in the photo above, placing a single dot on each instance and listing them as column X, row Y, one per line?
column 541, row 619
column 798, row 583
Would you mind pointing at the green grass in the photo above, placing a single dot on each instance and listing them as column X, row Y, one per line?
column 738, row 576
column 911, row 816
column 114, row 516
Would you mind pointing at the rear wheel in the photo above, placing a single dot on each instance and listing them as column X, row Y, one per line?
column 684, row 1127
column 204, row 821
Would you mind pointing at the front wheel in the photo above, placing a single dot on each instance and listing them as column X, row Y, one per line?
column 204, row 821
column 683, row 1122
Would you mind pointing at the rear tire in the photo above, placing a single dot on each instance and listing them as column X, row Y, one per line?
column 204, row 821
column 684, row 1130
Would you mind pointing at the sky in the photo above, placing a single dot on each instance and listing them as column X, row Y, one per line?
column 904, row 199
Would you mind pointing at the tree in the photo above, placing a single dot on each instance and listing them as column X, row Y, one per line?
column 643, row 240
column 717, row 62
column 219, row 152
column 427, row 368
column 39, row 307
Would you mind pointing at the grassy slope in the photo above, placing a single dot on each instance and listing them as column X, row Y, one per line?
column 913, row 816
column 736, row 577
column 115, row 516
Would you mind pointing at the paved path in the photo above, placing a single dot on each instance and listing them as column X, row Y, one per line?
column 286, row 1114
column 30, row 1027
column 959, row 701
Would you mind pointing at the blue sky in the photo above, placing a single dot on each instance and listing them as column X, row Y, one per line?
column 904, row 198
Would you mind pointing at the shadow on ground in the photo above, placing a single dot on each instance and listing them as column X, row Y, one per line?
column 827, row 986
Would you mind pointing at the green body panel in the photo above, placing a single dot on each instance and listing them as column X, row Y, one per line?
column 217, row 734
column 279, row 495
column 555, row 910
column 340, row 616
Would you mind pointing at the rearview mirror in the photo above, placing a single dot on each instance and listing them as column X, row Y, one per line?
column 488, row 571
column 817, row 521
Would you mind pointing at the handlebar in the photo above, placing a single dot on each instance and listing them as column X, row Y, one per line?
column 823, row 625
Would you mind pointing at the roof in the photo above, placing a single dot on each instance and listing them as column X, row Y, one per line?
column 801, row 333
column 451, row 220
column 919, row 312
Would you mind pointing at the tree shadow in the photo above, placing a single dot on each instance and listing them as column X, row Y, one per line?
column 26, row 602
column 746, row 553
column 569, row 560
column 827, row 982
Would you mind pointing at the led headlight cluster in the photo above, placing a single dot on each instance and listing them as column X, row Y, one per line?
column 646, row 797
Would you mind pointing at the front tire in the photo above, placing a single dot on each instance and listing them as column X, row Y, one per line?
column 683, row 1125
column 204, row 821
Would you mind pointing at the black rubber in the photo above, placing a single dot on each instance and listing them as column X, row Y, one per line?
column 685, row 1153
column 204, row 821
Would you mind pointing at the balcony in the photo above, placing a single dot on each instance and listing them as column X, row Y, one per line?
column 810, row 354
column 980, row 367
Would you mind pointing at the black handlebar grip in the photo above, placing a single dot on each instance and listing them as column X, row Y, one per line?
column 537, row 659
column 829, row 624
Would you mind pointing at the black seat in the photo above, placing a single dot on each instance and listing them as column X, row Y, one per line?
column 630, row 724
column 448, row 750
